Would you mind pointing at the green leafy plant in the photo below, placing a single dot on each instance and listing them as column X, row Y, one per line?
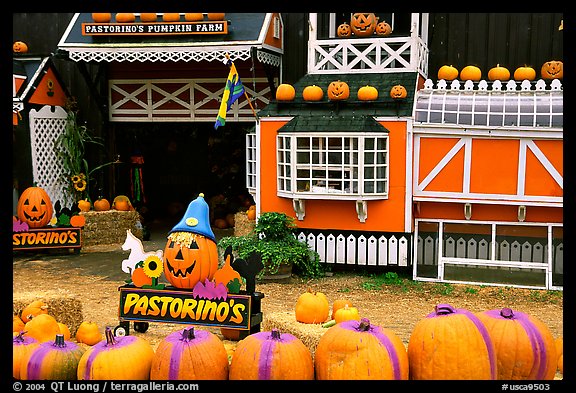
column 274, row 239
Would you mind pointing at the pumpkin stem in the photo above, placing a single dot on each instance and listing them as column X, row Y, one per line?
column 364, row 325
column 20, row 336
column 59, row 342
column 507, row 313
column 275, row 334
column 444, row 309
column 188, row 334
column 110, row 340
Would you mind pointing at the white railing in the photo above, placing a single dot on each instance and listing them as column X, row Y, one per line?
column 368, row 55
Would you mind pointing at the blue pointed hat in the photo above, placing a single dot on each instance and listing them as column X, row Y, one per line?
column 196, row 219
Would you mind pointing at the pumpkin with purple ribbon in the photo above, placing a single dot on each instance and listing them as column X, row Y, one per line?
column 56, row 360
column 451, row 343
column 525, row 347
column 271, row 355
column 359, row 350
column 190, row 354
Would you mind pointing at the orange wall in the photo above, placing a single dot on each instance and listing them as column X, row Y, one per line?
column 383, row 215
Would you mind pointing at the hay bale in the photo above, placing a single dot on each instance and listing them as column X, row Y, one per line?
column 286, row 322
column 242, row 225
column 109, row 227
column 63, row 306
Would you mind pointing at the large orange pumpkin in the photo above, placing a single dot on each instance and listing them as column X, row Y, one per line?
column 363, row 24
column 189, row 258
column 21, row 348
column 338, row 91
column 56, row 360
column 312, row 93
column 312, row 307
column 43, row 327
column 285, row 92
column 35, row 207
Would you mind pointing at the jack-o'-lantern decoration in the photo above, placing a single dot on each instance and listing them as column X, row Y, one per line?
column 344, row 30
column 363, row 24
column 383, row 28
column 191, row 255
column 552, row 70
column 19, row 47
column 398, row 92
column 35, row 207
column 338, row 91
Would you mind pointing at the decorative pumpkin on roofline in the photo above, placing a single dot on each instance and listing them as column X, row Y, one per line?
column 338, row 91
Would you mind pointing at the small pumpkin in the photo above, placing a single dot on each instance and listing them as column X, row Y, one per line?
column 451, row 343
column 32, row 309
column 194, row 16
column 363, row 24
column 524, row 73
column 125, row 17
column 57, row 360
column 84, row 205
column 471, row 73
column 101, row 17
column 17, row 324
column 21, row 347
column 359, row 350
column 19, row 47
column 139, row 277
column 77, row 221
column 312, row 307
column 553, row 69
column 525, row 347
column 271, row 355
column 338, row 304
column 148, row 17
column 171, row 17
column 344, row 30
column 312, row 93
column 383, row 29
column 65, row 331
column 367, row 93
column 285, row 92
column 122, row 205
column 220, row 223
column 226, row 273
column 346, row 313
column 447, row 72
column 499, row 73
column 101, row 204
column 190, row 354
column 35, row 207
column 88, row 333
column 117, row 358
column 398, row 92
column 215, row 16
column 338, row 91
column 42, row 327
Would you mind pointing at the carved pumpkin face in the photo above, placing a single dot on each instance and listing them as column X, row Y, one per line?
column 383, row 28
column 35, row 207
column 19, row 47
column 189, row 261
column 363, row 24
column 398, row 91
column 338, row 90
column 552, row 70
column 344, row 30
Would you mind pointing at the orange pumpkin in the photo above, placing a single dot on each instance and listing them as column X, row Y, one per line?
column 471, row 73
column 88, row 333
column 524, row 73
column 216, row 16
column 19, row 47
column 42, row 327
column 338, row 91
column 148, row 17
column 398, row 92
column 77, row 221
column 35, row 207
column 101, row 17
column 285, row 92
column 552, row 70
column 125, row 17
column 363, row 24
column 34, row 308
column 17, row 324
column 84, row 205
column 448, row 72
column 192, row 259
column 139, row 278
column 122, row 205
column 101, row 204
column 498, row 73
column 65, row 330
column 194, row 17
column 338, row 304
column 251, row 213
column 367, row 93
column 383, row 28
column 344, row 30
column 312, row 307
column 346, row 313
column 171, row 17
column 21, row 348
column 312, row 93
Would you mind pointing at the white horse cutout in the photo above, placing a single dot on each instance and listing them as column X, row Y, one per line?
column 137, row 253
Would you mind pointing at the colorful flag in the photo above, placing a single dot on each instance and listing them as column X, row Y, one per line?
column 233, row 90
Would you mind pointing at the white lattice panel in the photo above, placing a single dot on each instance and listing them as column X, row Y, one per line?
column 45, row 127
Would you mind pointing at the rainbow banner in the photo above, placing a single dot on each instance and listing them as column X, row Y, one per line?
column 233, row 90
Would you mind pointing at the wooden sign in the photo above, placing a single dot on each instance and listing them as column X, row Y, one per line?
column 180, row 306
column 41, row 238
column 159, row 28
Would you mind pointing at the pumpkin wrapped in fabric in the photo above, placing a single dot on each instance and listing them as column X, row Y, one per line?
column 525, row 347
column 117, row 358
column 271, row 355
column 359, row 350
column 35, row 207
column 57, row 360
column 190, row 354
column 451, row 343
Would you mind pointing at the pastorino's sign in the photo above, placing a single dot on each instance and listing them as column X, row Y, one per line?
column 178, row 306
column 172, row 28
column 47, row 238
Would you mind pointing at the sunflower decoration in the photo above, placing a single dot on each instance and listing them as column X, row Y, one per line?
column 153, row 267
column 79, row 182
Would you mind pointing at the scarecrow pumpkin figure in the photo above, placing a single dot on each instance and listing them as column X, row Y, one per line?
column 191, row 255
